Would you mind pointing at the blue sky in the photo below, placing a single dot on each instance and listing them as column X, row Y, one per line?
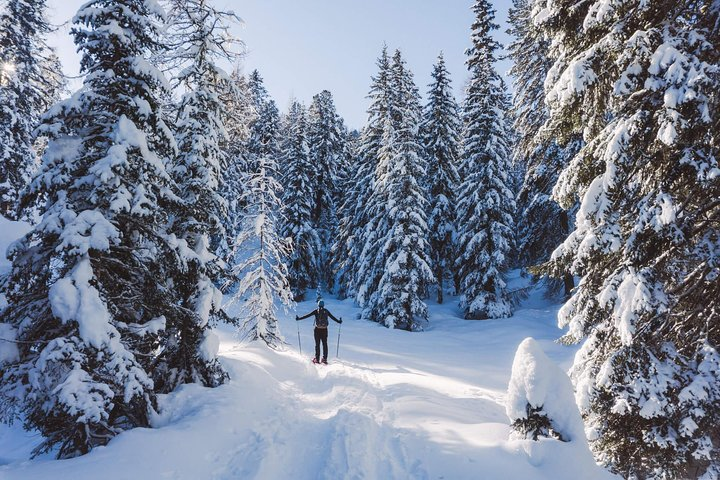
column 304, row 46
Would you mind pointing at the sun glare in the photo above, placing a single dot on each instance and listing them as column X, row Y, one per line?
column 6, row 70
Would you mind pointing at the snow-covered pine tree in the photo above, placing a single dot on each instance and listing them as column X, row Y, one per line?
column 265, row 125
column 199, row 38
column 541, row 224
column 353, row 219
column 328, row 150
column 486, row 204
column 261, row 272
column 370, row 262
column 399, row 257
column 86, row 299
column 252, row 124
column 29, row 82
column 640, row 80
column 299, row 185
column 351, row 144
column 440, row 130
column 326, row 139
column 238, row 114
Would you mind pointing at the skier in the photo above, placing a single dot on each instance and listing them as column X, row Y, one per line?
column 321, row 329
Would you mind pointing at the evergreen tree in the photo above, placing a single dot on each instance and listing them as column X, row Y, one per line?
column 352, row 234
column 29, row 83
column 263, row 129
column 397, row 258
column 238, row 114
column 328, row 150
column 351, row 147
column 298, row 202
column 441, row 139
column 199, row 37
column 542, row 224
column 252, row 123
column 265, row 124
column 640, row 82
column 86, row 296
column 376, row 150
column 486, row 203
column 326, row 139
column 262, row 273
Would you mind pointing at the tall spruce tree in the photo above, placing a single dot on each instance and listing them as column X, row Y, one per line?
column 265, row 124
column 370, row 261
column 640, row 82
column 441, row 129
column 299, row 184
column 352, row 234
column 261, row 272
column 199, row 39
column 87, row 296
column 238, row 114
column 542, row 224
column 397, row 258
column 327, row 154
column 486, row 202
column 29, row 83
column 252, row 123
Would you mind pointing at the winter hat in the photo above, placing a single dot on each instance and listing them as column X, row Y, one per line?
column 321, row 303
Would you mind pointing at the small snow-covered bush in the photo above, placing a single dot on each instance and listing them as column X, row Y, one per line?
column 535, row 424
column 540, row 400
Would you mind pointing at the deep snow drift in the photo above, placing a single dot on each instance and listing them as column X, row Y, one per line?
column 394, row 405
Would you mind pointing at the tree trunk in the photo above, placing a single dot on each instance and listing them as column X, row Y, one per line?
column 568, row 279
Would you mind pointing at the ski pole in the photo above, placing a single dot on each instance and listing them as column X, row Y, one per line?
column 337, row 351
column 298, row 329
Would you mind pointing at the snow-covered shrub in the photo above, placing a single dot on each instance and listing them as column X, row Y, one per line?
column 540, row 399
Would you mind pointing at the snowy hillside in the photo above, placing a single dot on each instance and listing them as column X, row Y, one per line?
column 394, row 405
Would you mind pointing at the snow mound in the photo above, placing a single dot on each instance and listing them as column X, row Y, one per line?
column 548, row 427
column 536, row 381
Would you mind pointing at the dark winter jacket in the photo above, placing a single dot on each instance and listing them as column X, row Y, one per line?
column 321, row 317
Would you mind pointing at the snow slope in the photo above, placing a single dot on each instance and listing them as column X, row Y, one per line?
column 394, row 405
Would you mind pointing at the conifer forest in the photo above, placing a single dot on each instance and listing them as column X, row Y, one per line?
column 166, row 220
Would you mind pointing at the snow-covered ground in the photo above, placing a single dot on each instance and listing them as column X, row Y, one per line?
column 393, row 405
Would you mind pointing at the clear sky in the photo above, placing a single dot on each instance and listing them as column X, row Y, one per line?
column 302, row 47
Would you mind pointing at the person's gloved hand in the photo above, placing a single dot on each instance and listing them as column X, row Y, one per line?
column 297, row 318
column 341, row 320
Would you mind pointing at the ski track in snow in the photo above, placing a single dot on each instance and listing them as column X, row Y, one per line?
column 395, row 405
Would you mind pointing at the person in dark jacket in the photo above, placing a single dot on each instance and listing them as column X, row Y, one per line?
column 321, row 329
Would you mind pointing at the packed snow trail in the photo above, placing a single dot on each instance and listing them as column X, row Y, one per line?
column 395, row 405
